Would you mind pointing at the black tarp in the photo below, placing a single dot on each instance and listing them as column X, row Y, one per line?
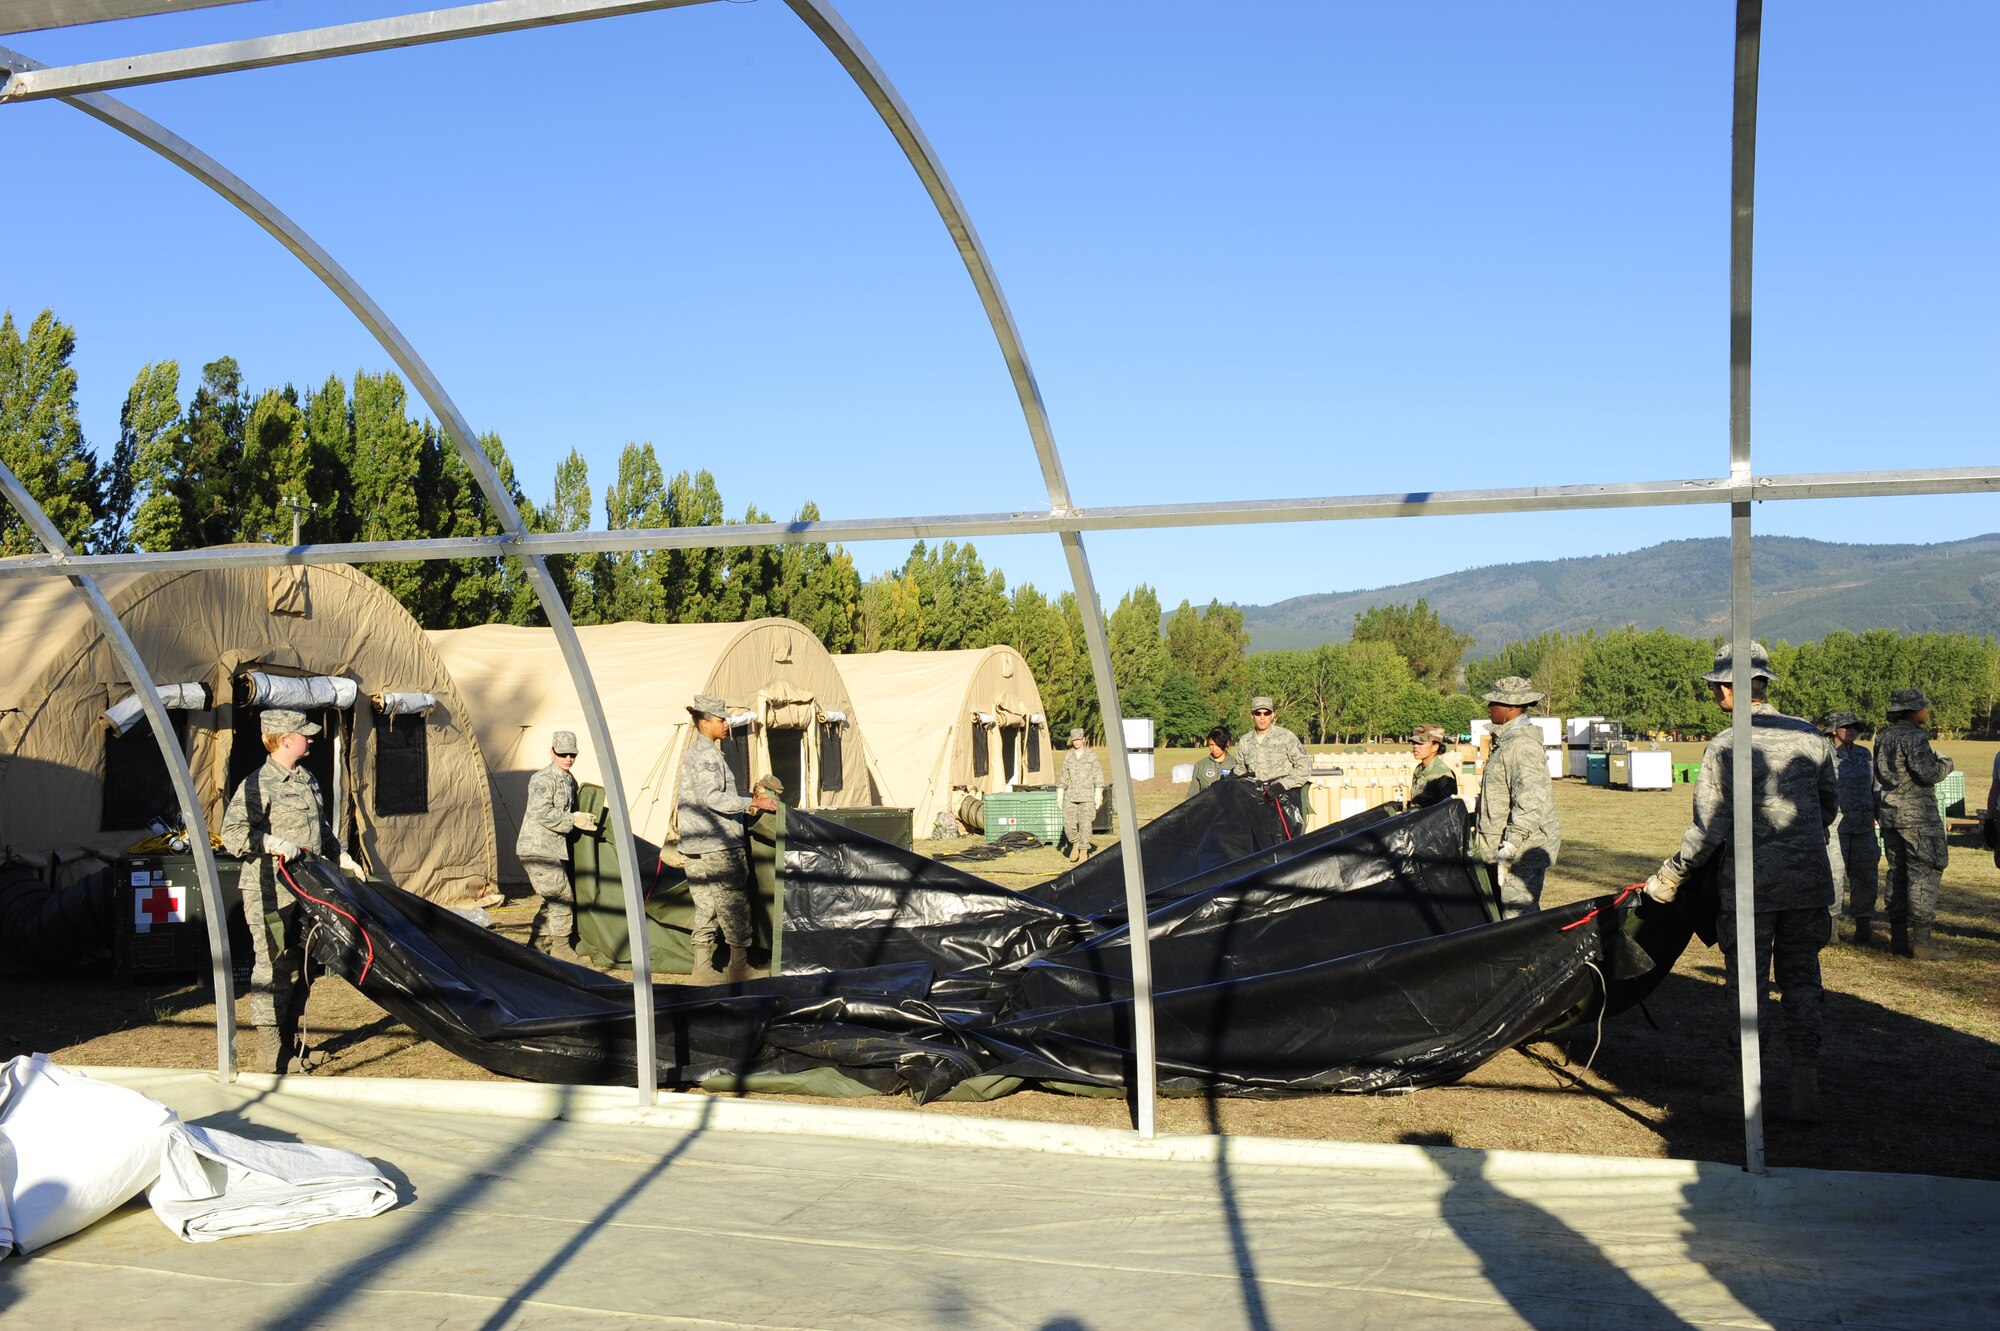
column 1354, row 959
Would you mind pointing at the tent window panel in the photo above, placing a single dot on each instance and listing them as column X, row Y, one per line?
column 788, row 756
column 402, row 766
column 1034, row 748
column 830, row 775
column 981, row 763
column 1010, row 754
column 136, row 785
column 736, row 752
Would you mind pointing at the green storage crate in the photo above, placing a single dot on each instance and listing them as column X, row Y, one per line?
column 890, row 825
column 160, row 920
column 1951, row 796
column 1037, row 812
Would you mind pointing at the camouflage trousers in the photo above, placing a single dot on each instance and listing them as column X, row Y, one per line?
column 1522, row 892
column 1788, row 948
column 1857, row 861
column 1078, row 815
column 716, row 881
column 556, row 920
column 278, row 984
column 1916, row 874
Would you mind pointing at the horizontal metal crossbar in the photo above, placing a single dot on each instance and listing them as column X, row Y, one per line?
column 1135, row 517
column 291, row 48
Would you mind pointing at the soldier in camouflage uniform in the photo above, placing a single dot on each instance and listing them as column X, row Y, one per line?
column 714, row 822
column 1856, row 852
column 1908, row 768
column 547, row 825
column 1435, row 777
column 1794, row 801
column 1275, row 756
column 1515, row 830
column 1212, row 766
column 1082, row 782
column 277, row 814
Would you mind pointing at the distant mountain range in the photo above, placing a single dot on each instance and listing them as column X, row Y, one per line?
column 1803, row 590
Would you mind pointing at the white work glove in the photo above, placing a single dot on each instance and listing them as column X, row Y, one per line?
column 1097, row 800
column 1659, row 891
column 1062, row 794
column 1505, row 853
column 351, row 866
column 279, row 848
column 583, row 822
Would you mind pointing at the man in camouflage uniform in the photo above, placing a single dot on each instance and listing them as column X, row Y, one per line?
column 1082, row 781
column 1213, row 765
column 277, row 814
column 1908, row 768
column 1794, row 801
column 1275, row 756
column 547, row 825
column 714, row 822
column 1515, row 830
column 1856, row 851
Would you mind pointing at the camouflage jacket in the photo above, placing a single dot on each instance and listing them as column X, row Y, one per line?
column 1517, row 801
column 274, row 802
column 1081, row 776
column 1794, row 800
column 1428, row 775
column 711, row 813
column 1854, row 776
column 545, row 825
column 1208, row 771
column 1906, row 767
column 1276, row 756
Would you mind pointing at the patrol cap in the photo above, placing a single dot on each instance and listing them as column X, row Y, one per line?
column 771, row 783
column 1908, row 700
column 1724, row 672
column 1076, row 733
column 1427, row 734
column 286, row 721
column 1835, row 720
column 564, row 742
column 1260, row 703
column 707, row 704
column 1513, row 691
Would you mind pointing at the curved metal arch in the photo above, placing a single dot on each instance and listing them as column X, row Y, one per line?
column 837, row 37
column 303, row 247
column 134, row 666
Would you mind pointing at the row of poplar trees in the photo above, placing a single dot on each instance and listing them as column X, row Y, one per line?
column 348, row 462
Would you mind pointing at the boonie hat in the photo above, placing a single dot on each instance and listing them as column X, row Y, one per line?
column 1260, row 703
column 1075, row 734
column 707, row 704
column 1908, row 700
column 1513, row 691
column 1835, row 720
column 1724, row 672
column 286, row 721
column 565, row 742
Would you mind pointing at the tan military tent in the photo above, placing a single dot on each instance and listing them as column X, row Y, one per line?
column 939, row 724
column 791, row 709
column 397, row 757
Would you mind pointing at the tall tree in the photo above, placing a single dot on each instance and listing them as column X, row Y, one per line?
column 388, row 457
column 139, row 513
column 569, row 509
column 637, row 588
column 693, row 577
column 41, row 439
column 1138, row 653
column 1432, row 647
column 206, row 478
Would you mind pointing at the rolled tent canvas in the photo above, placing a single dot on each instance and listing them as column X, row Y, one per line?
column 432, row 833
column 773, row 670
column 939, row 724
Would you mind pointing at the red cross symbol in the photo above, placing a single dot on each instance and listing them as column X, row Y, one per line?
column 162, row 905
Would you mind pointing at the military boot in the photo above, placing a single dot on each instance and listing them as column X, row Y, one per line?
column 1923, row 949
column 1805, row 1090
column 1864, row 933
column 266, row 1052
column 739, row 965
column 1899, row 938
column 704, row 971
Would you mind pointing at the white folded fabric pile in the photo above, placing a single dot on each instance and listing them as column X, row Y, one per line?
column 72, row 1150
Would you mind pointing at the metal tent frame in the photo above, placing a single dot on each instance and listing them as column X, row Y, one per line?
column 83, row 86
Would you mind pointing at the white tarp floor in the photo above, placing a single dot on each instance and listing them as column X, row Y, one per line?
column 538, row 1206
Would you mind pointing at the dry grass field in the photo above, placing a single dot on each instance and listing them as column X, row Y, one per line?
column 1909, row 1073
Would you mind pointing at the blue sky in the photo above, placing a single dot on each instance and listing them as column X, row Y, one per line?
column 1291, row 249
